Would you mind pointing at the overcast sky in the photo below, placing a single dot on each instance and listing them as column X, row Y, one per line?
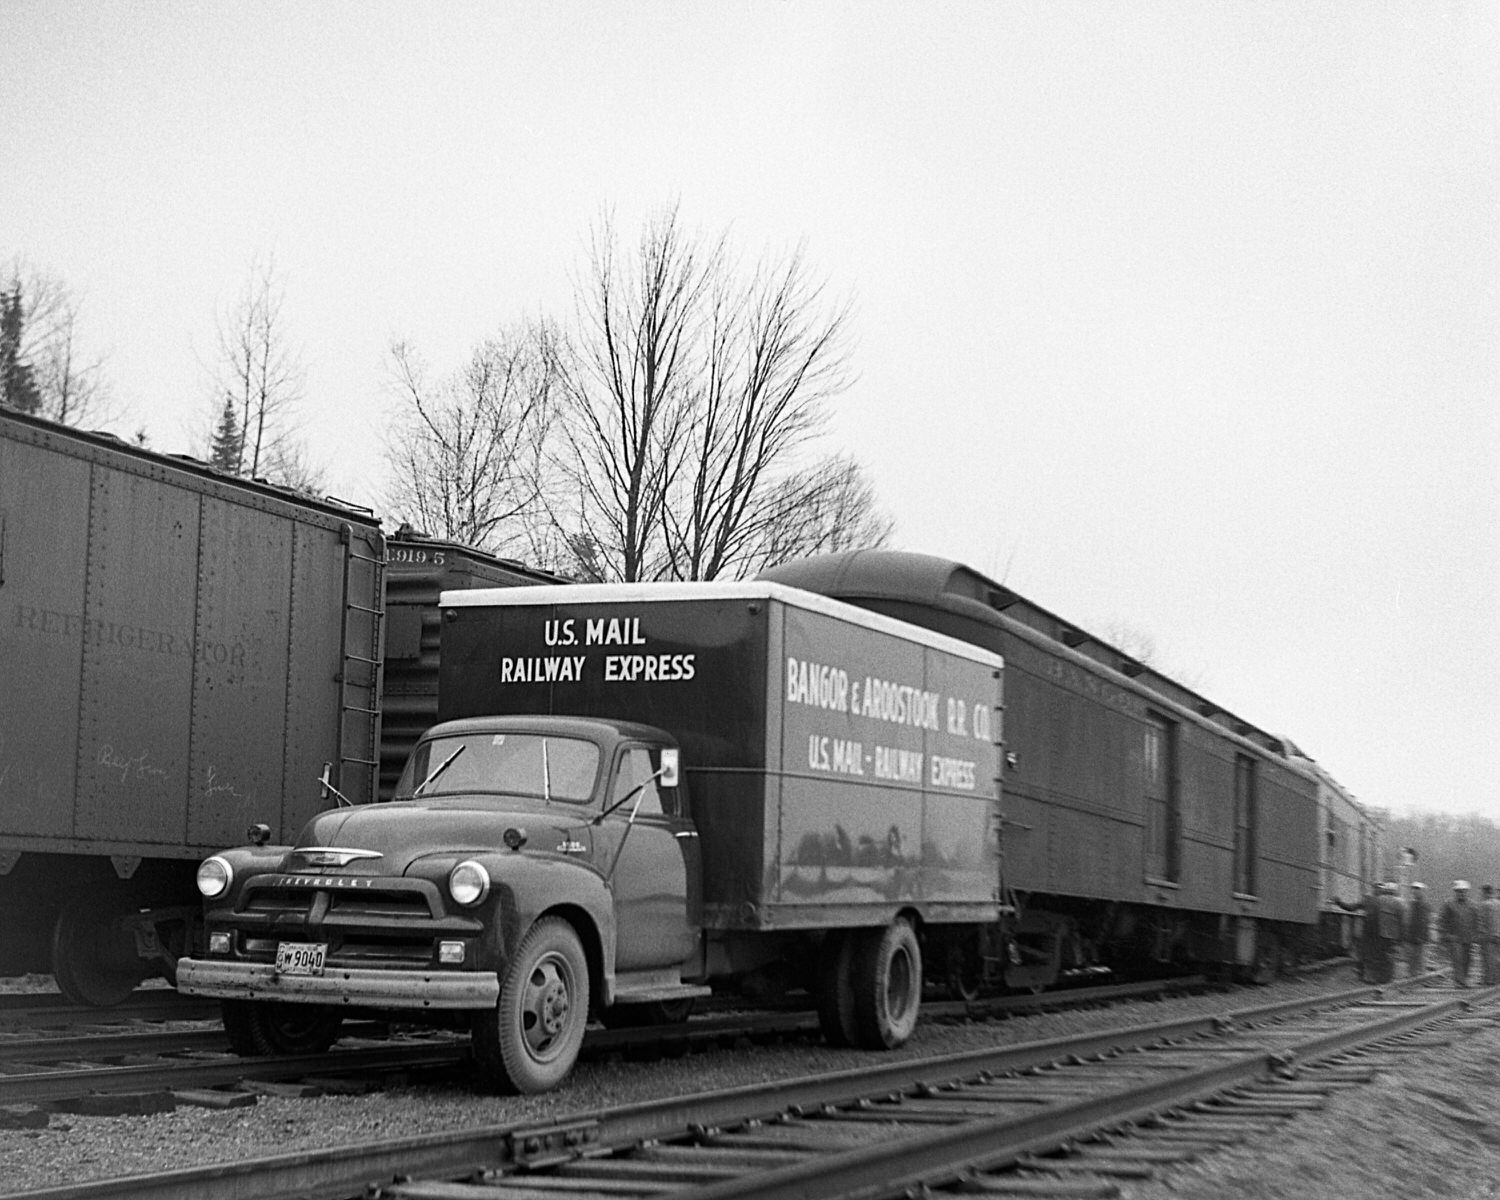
column 1175, row 317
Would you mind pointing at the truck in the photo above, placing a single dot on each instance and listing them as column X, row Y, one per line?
column 182, row 652
column 635, row 795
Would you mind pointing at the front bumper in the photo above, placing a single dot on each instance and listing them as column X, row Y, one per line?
column 352, row 986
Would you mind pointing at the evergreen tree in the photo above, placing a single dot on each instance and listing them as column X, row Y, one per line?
column 228, row 449
column 18, row 387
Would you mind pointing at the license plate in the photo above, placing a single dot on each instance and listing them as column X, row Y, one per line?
column 300, row 958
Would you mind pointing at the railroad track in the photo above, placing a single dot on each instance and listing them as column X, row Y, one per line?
column 1122, row 1102
column 155, row 1064
column 21, row 1010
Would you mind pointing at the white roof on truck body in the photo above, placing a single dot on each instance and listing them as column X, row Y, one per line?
column 749, row 589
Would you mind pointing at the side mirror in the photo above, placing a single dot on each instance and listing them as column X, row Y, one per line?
column 669, row 766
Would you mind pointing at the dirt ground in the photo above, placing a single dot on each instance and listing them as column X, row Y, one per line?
column 1431, row 1131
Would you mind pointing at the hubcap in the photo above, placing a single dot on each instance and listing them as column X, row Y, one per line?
column 547, row 1007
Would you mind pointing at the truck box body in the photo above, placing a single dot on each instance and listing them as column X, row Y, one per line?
column 841, row 765
column 182, row 651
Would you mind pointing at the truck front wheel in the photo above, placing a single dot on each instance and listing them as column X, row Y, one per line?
column 887, row 977
column 531, row 1041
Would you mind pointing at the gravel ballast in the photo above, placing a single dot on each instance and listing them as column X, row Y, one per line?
column 1435, row 1128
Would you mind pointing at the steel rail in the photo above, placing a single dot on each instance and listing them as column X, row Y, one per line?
column 899, row 1166
column 347, row 1170
column 50, row 1085
column 95, row 1047
column 41, row 1087
column 20, row 1009
column 91, row 1047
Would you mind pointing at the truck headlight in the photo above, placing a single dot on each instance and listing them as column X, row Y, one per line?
column 468, row 883
column 214, row 877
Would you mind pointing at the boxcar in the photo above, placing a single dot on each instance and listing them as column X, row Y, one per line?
column 1142, row 824
column 418, row 570
column 183, row 653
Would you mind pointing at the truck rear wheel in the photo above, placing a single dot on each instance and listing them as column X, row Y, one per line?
column 260, row 1027
column 835, row 990
column 887, row 982
column 531, row 1041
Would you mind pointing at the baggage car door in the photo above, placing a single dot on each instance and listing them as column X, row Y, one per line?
column 648, row 851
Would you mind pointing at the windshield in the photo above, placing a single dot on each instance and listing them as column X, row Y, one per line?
column 516, row 764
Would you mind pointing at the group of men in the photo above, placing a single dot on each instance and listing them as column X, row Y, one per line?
column 1463, row 927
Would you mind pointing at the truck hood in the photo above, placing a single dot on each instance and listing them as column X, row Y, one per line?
column 401, row 832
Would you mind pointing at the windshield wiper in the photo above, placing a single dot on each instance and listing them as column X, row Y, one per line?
column 443, row 766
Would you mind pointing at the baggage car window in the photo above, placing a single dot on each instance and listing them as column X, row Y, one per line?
column 1162, row 803
column 1244, row 824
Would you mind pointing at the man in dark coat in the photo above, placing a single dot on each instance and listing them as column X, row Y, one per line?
column 1366, row 929
column 1458, row 927
column 1489, row 936
column 1418, row 929
column 1388, row 929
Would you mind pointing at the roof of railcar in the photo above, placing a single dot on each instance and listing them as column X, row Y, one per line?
column 904, row 576
column 128, row 456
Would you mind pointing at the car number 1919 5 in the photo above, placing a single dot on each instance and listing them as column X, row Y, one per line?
column 300, row 958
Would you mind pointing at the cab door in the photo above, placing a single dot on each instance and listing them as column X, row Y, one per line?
column 648, row 851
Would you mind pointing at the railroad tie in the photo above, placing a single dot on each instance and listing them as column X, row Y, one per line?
column 1019, row 1186
column 1181, row 1152
column 1119, row 1168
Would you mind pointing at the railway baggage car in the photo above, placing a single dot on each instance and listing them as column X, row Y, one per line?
column 1142, row 824
column 182, row 653
column 1353, row 856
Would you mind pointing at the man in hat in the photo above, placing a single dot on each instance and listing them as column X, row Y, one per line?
column 1417, row 929
column 1458, row 926
column 1489, row 936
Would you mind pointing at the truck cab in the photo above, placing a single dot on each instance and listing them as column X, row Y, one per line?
column 529, row 870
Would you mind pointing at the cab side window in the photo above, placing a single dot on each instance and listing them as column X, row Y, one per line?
column 637, row 768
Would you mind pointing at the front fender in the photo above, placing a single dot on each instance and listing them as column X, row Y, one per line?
column 246, row 862
column 529, row 887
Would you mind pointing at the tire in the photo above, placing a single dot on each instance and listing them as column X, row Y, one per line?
column 964, row 974
column 92, row 961
column 531, row 1041
column 887, row 983
column 257, row 1028
column 834, row 991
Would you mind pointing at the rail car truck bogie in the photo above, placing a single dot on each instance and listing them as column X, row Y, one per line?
column 640, row 793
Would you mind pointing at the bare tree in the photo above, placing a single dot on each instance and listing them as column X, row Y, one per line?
column 691, row 392
column 467, row 453
column 628, row 397
column 258, row 375
column 828, row 508
column 775, row 353
column 46, row 369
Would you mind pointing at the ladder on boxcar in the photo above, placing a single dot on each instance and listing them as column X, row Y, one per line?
column 359, row 674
